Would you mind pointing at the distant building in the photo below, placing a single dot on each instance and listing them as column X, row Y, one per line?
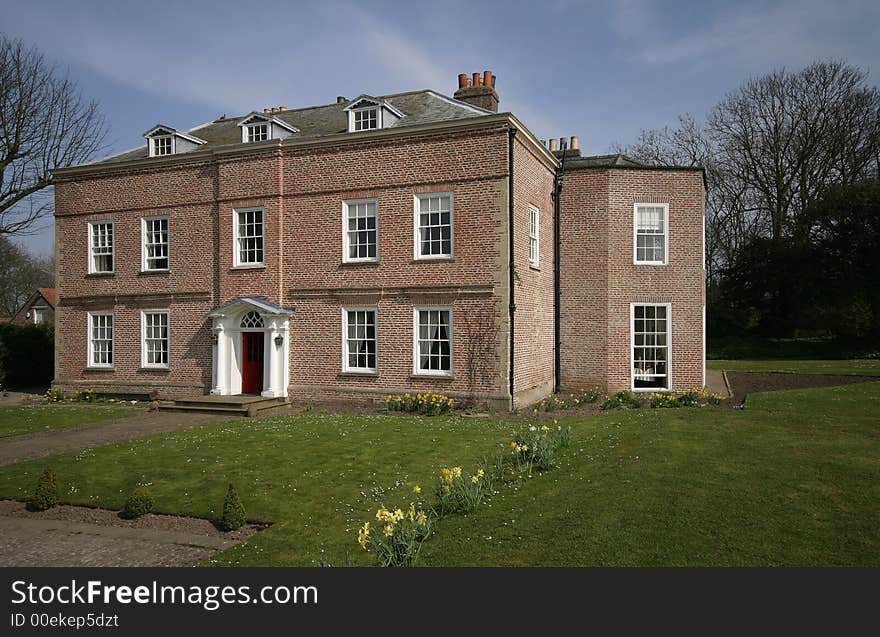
column 38, row 310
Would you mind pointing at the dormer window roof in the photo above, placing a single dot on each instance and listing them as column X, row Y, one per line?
column 258, row 127
column 164, row 140
column 368, row 113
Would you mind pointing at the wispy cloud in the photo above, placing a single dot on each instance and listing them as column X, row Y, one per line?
column 750, row 34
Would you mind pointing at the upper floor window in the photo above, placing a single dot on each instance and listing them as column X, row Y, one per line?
column 249, row 236
column 100, row 339
column 39, row 315
column 257, row 132
column 100, row 246
column 433, row 225
column 359, row 341
column 534, row 236
column 155, row 243
column 361, row 233
column 163, row 145
column 433, row 341
column 154, row 330
column 366, row 119
column 650, row 234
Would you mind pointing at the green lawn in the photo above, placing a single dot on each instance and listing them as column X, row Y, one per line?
column 26, row 419
column 792, row 479
column 859, row 367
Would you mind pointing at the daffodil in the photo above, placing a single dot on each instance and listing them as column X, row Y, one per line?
column 480, row 473
column 456, row 471
column 421, row 518
column 417, row 489
column 445, row 489
column 389, row 530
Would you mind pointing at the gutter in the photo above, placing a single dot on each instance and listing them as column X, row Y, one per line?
column 511, row 306
column 557, row 209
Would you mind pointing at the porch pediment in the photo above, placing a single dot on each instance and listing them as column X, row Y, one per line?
column 241, row 304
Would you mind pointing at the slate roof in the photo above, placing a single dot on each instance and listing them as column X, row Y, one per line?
column 419, row 107
column 616, row 160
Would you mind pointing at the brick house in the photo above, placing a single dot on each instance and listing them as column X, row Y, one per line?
column 378, row 245
column 38, row 309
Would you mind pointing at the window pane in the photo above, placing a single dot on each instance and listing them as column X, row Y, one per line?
column 435, row 226
column 650, row 347
column 435, row 342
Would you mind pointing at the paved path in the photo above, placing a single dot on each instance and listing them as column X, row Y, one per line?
column 715, row 382
column 54, row 441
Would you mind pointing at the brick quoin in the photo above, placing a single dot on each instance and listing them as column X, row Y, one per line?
column 302, row 187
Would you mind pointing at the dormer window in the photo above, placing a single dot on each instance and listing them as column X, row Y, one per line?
column 163, row 141
column 259, row 127
column 257, row 132
column 371, row 113
column 366, row 119
column 163, row 145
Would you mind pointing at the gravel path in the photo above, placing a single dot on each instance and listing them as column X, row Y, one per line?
column 81, row 536
column 49, row 443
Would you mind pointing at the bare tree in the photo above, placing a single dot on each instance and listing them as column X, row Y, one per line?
column 45, row 123
column 770, row 148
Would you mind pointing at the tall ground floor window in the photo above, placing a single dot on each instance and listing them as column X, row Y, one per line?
column 650, row 345
column 155, row 339
column 101, row 339
column 433, row 340
column 360, row 340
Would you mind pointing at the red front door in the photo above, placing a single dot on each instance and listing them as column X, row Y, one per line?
column 252, row 362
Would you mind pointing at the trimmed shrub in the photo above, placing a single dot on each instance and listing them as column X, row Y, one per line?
column 27, row 355
column 139, row 503
column 233, row 511
column 46, row 494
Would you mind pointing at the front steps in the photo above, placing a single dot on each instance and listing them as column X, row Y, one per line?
column 223, row 405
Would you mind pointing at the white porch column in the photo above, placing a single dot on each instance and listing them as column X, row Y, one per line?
column 221, row 360
column 277, row 358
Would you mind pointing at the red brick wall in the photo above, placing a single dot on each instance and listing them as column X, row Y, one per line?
column 599, row 279
column 302, row 193
column 533, row 354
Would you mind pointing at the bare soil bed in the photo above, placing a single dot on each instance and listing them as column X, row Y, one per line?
column 68, row 535
column 744, row 383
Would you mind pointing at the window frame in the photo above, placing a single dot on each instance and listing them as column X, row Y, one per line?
column 90, row 349
column 39, row 310
column 535, row 238
column 236, row 255
column 91, row 255
column 635, row 230
column 345, row 238
column 417, row 371
column 346, row 368
column 144, row 258
column 154, row 145
column 145, row 364
column 354, row 118
column 260, row 124
column 417, row 243
column 632, row 346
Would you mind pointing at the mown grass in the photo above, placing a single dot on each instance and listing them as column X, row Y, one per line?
column 25, row 419
column 792, row 479
column 860, row 367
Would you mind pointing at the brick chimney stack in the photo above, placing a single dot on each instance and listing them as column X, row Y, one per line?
column 479, row 91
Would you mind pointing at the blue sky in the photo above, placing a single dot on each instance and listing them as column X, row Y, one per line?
column 603, row 70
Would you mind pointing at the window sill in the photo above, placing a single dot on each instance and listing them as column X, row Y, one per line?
column 249, row 266
column 423, row 376
column 99, row 275
column 433, row 259
column 650, row 263
column 154, row 369
column 357, row 375
column 365, row 262
column 534, row 267
column 154, row 272
column 100, row 369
